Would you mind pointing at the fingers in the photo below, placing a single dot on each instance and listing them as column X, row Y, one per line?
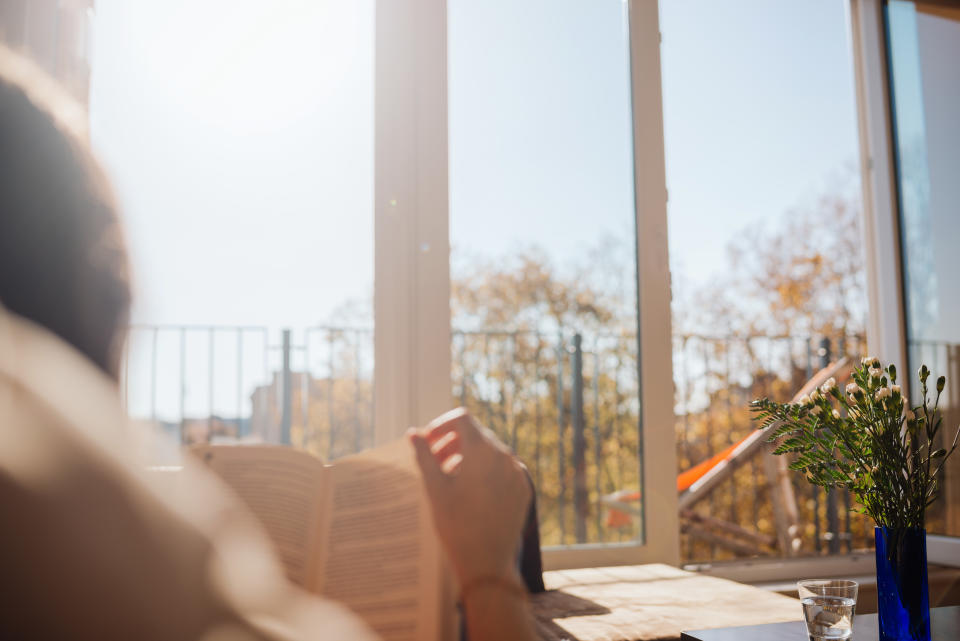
column 458, row 421
column 430, row 468
column 526, row 485
column 452, row 465
column 446, row 447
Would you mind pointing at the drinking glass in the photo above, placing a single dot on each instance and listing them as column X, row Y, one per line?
column 828, row 606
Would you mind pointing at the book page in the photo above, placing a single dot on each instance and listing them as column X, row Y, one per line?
column 283, row 489
column 379, row 552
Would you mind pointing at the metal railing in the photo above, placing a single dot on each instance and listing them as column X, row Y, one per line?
column 716, row 379
column 246, row 382
column 567, row 403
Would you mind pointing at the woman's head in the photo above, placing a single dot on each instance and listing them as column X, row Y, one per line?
column 63, row 264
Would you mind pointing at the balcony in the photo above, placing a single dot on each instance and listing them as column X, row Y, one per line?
column 566, row 403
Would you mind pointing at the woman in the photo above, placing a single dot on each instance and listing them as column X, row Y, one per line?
column 90, row 548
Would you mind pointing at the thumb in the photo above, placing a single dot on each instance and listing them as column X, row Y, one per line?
column 433, row 476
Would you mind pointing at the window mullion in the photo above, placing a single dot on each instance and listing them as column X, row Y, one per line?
column 412, row 282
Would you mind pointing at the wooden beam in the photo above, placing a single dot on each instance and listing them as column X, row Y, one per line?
column 754, row 443
column 786, row 516
column 737, row 547
column 729, row 528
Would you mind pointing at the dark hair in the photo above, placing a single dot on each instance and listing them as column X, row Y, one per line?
column 63, row 263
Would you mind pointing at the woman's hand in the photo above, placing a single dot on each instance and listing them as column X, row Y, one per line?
column 478, row 492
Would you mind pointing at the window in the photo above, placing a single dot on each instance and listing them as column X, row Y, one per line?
column 240, row 139
column 766, row 261
column 543, row 234
column 512, row 158
column 543, row 228
column 924, row 42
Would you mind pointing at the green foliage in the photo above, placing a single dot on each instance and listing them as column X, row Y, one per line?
column 867, row 440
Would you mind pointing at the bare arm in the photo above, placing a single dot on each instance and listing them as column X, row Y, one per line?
column 479, row 497
column 497, row 613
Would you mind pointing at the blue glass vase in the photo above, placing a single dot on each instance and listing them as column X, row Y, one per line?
column 903, row 601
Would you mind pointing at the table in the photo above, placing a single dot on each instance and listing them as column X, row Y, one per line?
column 648, row 603
column 944, row 626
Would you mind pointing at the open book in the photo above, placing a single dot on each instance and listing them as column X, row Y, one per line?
column 358, row 531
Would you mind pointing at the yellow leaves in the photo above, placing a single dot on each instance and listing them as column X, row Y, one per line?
column 526, row 290
column 800, row 275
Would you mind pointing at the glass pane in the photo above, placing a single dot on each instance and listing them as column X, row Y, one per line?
column 924, row 49
column 240, row 139
column 765, row 256
column 543, row 261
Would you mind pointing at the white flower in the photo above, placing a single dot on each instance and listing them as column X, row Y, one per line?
column 852, row 388
column 881, row 394
column 804, row 401
column 895, row 390
column 875, row 372
column 867, row 361
column 815, row 395
column 829, row 385
column 835, row 414
column 816, row 410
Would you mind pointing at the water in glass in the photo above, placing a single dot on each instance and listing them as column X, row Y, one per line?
column 828, row 617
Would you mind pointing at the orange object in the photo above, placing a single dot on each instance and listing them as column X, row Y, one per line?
column 697, row 472
column 619, row 518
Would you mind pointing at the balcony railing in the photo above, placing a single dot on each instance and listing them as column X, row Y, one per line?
column 568, row 404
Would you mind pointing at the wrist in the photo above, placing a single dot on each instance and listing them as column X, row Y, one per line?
column 466, row 573
column 507, row 583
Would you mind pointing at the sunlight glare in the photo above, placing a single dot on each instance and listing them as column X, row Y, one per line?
column 243, row 65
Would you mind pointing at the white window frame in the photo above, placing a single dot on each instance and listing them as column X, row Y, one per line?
column 660, row 517
column 411, row 206
column 881, row 227
column 412, row 272
column 783, row 570
column 886, row 329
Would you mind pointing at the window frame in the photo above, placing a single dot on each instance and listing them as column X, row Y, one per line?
column 412, row 366
column 886, row 325
column 411, row 206
column 886, row 328
column 881, row 229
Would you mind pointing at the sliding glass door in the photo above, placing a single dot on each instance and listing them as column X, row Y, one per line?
column 519, row 170
column 766, row 259
column 511, row 156
column 543, row 262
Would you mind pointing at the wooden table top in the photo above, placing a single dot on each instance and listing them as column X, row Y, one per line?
column 649, row 603
column 944, row 626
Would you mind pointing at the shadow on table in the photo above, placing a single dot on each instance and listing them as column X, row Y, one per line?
column 557, row 604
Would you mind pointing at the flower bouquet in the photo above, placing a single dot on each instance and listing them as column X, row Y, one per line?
column 867, row 439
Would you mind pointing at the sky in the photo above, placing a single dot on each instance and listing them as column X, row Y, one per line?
column 759, row 113
column 239, row 135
